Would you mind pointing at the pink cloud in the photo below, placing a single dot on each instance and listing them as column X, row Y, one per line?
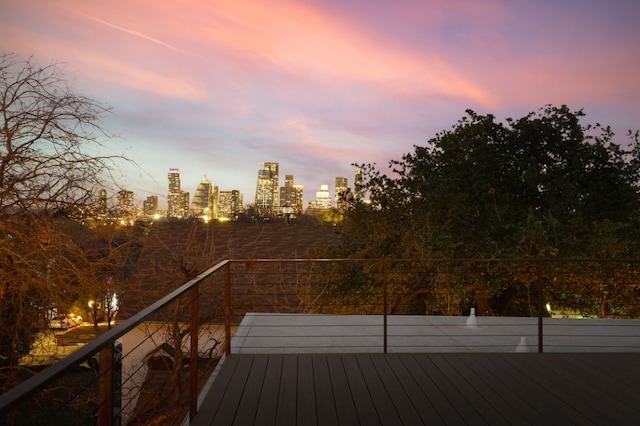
column 333, row 80
column 289, row 36
column 177, row 49
column 89, row 52
column 307, row 41
column 131, row 32
column 593, row 73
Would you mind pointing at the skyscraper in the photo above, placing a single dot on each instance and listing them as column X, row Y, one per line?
column 230, row 204
column 267, row 190
column 183, row 206
column 102, row 202
column 174, row 181
column 299, row 197
column 126, row 205
column 341, row 187
column 202, row 204
column 177, row 199
column 215, row 199
column 357, row 186
column 150, row 205
column 289, row 196
column 323, row 198
column 288, row 181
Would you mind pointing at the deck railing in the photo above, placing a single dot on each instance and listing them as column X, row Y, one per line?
column 171, row 347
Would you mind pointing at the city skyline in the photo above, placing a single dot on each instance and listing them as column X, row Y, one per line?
column 177, row 188
column 317, row 85
column 191, row 188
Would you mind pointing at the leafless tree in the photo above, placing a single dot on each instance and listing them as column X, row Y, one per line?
column 52, row 162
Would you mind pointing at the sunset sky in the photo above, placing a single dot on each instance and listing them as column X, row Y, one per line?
column 214, row 87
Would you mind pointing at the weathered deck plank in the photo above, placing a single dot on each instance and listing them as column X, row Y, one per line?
column 433, row 393
column 228, row 407
column 400, row 399
column 287, row 397
column 421, row 401
column 499, row 388
column 523, row 400
column 342, row 391
column 359, row 392
column 249, row 402
column 268, row 404
column 325, row 400
column 306, row 413
column 490, row 386
column 550, row 389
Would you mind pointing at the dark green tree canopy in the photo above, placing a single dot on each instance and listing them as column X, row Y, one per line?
column 540, row 185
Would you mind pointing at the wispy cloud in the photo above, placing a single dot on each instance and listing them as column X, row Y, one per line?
column 134, row 33
column 319, row 84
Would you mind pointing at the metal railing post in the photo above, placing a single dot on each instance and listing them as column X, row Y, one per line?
column 227, row 307
column 193, row 360
column 105, row 411
column 384, row 303
column 540, row 309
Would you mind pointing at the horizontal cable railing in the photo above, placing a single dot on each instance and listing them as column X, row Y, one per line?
column 425, row 305
column 152, row 366
column 148, row 368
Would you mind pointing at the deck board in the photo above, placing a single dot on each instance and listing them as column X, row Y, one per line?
column 523, row 400
column 536, row 377
column 433, row 393
column 359, row 392
column 214, row 398
column 617, row 380
column 325, row 402
column 417, row 397
column 400, row 399
column 228, row 407
column 268, row 404
column 379, row 394
column 573, row 391
column 457, row 388
column 491, row 386
column 287, row 411
column 471, row 390
column 306, row 413
column 604, row 408
column 345, row 404
column 464, row 409
column 250, row 399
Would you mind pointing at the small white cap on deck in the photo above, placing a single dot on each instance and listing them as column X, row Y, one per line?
column 472, row 321
column 522, row 346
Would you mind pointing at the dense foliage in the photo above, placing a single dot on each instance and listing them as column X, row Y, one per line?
column 541, row 186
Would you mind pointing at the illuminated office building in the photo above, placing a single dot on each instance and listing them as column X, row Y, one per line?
column 357, row 186
column 267, row 190
column 291, row 196
column 126, row 206
column 299, row 197
column 215, row 202
column 173, row 197
column 174, row 180
column 229, row 204
column 202, row 204
column 341, row 187
column 150, row 205
column 183, row 204
column 102, row 208
column 177, row 199
column 322, row 200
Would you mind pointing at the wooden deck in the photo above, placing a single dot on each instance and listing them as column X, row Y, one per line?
column 427, row 388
